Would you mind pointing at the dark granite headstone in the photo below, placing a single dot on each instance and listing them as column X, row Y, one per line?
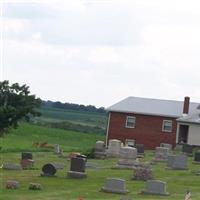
column 27, row 155
column 77, row 168
column 140, row 149
column 48, row 170
column 77, row 164
column 197, row 157
column 187, row 149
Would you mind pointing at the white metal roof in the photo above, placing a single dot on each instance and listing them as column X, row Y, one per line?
column 191, row 118
column 149, row 106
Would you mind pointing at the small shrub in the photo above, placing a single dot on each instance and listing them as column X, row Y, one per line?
column 89, row 153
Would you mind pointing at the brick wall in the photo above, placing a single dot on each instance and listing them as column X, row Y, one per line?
column 147, row 131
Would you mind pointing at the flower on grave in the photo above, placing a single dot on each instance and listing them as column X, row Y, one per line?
column 10, row 186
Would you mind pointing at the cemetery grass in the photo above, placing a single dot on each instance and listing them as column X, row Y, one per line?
column 61, row 188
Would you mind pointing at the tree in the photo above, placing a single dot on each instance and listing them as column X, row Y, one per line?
column 16, row 104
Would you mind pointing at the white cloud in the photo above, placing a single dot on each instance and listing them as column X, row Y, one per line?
column 98, row 52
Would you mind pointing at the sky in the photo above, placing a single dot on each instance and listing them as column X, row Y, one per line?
column 99, row 52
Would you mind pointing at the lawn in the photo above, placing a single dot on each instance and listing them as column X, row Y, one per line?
column 62, row 188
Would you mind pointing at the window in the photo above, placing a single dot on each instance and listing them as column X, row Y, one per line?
column 167, row 126
column 130, row 122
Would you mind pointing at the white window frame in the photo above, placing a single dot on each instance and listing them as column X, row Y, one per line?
column 134, row 121
column 163, row 125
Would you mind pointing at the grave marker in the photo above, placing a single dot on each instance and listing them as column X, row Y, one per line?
column 155, row 187
column 77, row 168
column 114, row 185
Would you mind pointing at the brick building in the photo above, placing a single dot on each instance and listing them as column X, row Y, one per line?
column 148, row 121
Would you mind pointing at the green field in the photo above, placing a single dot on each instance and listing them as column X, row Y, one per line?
column 78, row 117
column 23, row 138
column 62, row 188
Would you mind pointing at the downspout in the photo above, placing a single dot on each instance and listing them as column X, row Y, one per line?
column 108, row 125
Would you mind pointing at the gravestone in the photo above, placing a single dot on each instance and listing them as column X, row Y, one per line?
column 128, row 156
column 178, row 162
column 11, row 166
column 155, row 187
column 129, row 142
column 140, row 150
column 187, row 149
column 197, row 157
column 113, row 148
column 166, row 145
column 57, row 149
column 114, row 185
column 35, row 186
column 143, row 173
column 82, row 156
column 26, row 155
column 49, row 170
column 77, row 168
column 11, row 184
column 100, row 150
column 161, row 154
column 27, row 161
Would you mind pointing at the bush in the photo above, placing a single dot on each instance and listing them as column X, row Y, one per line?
column 89, row 153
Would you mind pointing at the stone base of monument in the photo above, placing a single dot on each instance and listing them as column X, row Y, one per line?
column 176, row 168
column 140, row 155
column 47, row 175
column 100, row 155
column 73, row 174
column 11, row 166
column 196, row 162
column 126, row 164
column 153, row 193
column 103, row 189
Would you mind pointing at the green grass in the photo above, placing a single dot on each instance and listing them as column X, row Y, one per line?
column 61, row 188
column 23, row 138
column 80, row 117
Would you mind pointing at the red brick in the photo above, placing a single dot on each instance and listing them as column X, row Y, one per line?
column 147, row 131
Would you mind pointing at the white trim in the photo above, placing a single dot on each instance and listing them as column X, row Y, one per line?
column 143, row 113
column 168, row 131
column 108, row 126
column 128, row 116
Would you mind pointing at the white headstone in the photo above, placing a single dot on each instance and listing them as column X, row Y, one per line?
column 114, row 148
column 161, row 153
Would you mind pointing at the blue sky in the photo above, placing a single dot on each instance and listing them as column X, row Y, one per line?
column 101, row 51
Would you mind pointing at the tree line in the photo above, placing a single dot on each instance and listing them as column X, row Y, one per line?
column 73, row 106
